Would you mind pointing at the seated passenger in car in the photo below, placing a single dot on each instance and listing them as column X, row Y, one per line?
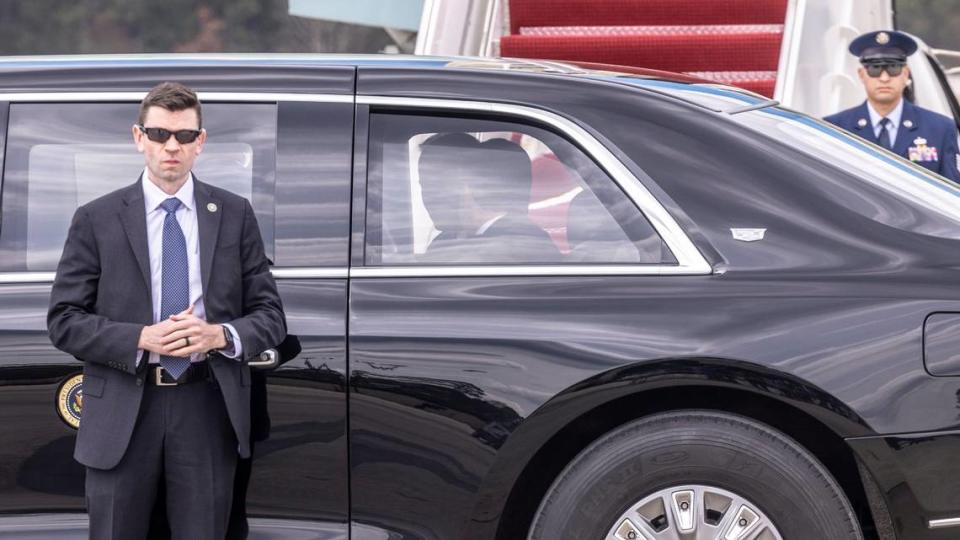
column 499, row 189
column 442, row 187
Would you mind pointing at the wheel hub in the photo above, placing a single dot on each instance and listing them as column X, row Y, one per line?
column 693, row 512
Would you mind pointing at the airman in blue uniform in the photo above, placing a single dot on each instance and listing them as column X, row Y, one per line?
column 886, row 118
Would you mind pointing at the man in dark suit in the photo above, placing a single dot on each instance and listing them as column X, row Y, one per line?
column 238, row 528
column 163, row 290
column 886, row 118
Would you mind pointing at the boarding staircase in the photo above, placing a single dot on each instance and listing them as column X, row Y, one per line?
column 735, row 42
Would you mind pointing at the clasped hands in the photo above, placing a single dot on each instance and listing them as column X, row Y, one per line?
column 182, row 335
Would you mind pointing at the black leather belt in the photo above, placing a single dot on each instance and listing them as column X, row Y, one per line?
column 198, row 371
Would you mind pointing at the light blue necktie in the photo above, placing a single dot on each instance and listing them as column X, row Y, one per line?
column 174, row 279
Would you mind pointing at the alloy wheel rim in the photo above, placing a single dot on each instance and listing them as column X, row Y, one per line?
column 693, row 512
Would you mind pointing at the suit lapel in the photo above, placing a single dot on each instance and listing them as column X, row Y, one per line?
column 134, row 218
column 905, row 135
column 209, row 211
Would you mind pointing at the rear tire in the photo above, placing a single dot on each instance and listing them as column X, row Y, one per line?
column 712, row 457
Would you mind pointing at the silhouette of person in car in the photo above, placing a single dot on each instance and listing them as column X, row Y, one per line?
column 500, row 190
column 445, row 161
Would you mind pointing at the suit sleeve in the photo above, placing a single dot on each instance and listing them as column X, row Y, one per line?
column 73, row 325
column 262, row 325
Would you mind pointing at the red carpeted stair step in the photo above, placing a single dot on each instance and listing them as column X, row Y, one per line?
column 734, row 42
column 705, row 29
column 671, row 52
column 540, row 13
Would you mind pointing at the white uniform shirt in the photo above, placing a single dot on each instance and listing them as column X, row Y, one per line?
column 186, row 215
column 893, row 127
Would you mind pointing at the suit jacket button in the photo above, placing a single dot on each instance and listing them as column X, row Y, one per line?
column 139, row 381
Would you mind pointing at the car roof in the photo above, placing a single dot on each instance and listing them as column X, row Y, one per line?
column 312, row 59
column 16, row 71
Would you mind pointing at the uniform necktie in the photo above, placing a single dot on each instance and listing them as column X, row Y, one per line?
column 884, row 138
column 174, row 279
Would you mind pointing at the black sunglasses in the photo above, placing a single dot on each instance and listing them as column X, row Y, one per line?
column 160, row 135
column 874, row 70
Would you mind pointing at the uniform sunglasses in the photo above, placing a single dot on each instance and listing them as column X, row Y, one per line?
column 874, row 70
column 160, row 135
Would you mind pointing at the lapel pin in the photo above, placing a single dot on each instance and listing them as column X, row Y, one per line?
column 211, row 207
column 908, row 124
column 862, row 122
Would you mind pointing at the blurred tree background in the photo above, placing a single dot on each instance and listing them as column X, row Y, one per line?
column 145, row 26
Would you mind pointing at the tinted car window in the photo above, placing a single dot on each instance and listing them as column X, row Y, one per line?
column 314, row 159
column 449, row 191
column 60, row 156
column 914, row 197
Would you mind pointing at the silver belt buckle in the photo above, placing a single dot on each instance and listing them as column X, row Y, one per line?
column 158, row 377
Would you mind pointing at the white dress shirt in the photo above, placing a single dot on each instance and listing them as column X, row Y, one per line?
column 186, row 215
column 893, row 127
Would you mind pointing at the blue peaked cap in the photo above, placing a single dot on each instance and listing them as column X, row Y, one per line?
column 883, row 46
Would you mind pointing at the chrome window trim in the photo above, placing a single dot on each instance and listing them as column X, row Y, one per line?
column 690, row 260
column 48, row 97
column 311, row 273
column 278, row 273
column 518, row 270
column 422, row 271
column 27, row 277
column 943, row 523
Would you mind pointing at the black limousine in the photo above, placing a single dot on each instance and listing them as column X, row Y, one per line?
column 533, row 300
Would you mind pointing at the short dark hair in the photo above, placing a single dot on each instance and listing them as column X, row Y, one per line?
column 506, row 178
column 171, row 96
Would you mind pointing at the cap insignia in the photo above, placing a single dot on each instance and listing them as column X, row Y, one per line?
column 883, row 38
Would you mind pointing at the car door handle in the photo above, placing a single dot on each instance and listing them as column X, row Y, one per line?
column 268, row 359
